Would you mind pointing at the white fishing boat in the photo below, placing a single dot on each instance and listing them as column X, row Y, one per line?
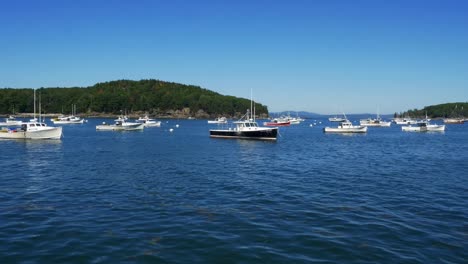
column 435, row 128
column 70, row 119
column 121, row 124
column 423, row 127
column 405, row 121
column 454, row 120
column 11, row 121
column 32, row 130
column 374, row 122
column 148, row 122
column 346, row 127
column 336, row 119
column 219, row 120
column 412, row 128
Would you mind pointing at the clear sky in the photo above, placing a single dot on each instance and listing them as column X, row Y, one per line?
column 326, row 56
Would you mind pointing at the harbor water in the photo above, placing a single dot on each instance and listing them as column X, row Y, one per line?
column 158, row 196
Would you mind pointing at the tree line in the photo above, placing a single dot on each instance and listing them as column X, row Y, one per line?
column 155, row 97
column 438, row 111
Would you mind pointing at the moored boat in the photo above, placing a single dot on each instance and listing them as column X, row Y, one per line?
column 121, row 124
column 346, row 127
column 277, row 122
column 32, row 130
column 454, row 120
column 11, row 121
column 71, row 119
column 405, row 121
column 374, row 122
column 424, row 127
column 148, row 122
column 336, row 119
column 246, row 128
column 219, row 120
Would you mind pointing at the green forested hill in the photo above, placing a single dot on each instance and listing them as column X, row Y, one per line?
column 153, row 96
column 441, row 110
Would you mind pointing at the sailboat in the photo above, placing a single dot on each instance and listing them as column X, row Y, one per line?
column 34, row 129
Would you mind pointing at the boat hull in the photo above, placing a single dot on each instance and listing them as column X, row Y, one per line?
column 436, row 128
column 454, row 121
column 412, row 129
column 276, row 124
column 49, row 133
column 120, row 128
column 216, row 122
column 380, row 124
column 263, row 134
column 58, row 122
column 153, row 124
column 345, row 130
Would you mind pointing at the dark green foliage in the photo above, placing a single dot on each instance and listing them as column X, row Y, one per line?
column 152, row 96
column 441, row 110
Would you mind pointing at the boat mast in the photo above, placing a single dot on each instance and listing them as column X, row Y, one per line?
column 34, row 115
column 40, row 108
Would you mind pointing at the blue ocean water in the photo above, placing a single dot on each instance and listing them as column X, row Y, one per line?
column 182, row 197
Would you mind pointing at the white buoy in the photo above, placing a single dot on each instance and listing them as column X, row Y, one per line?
column 170, row 130
column 311, row 125
column 177, row 125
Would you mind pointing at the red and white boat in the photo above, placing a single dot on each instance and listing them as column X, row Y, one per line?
column 276, row 123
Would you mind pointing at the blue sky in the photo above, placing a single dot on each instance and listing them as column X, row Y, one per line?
column 327, row 56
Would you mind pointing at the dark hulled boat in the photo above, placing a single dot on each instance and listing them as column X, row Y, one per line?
column 246, row 129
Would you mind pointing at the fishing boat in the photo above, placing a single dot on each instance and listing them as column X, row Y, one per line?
column 277, row 122
column 346, row 127
column 121, row 124
column 336, row 119
column 219, row 120
column 246, row 128
column 70, row 119
column 11, row 121
column 374, row 122
column 32, row 129
column 405, row 121
column 454, row 120
column 148, row 122
column 423, row 127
